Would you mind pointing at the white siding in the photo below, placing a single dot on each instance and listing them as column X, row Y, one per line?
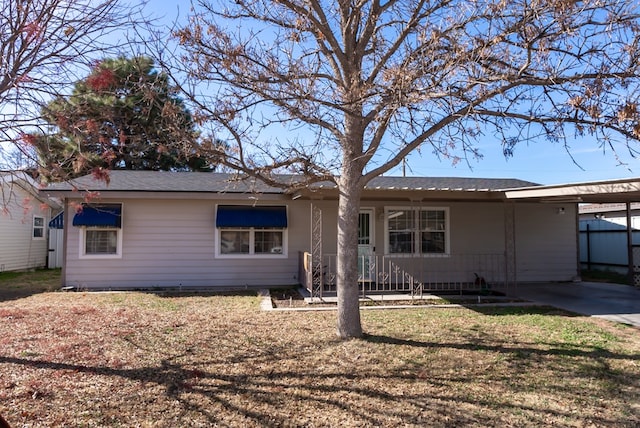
column 18, row 249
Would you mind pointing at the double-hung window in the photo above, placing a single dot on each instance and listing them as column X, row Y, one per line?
column 101, row 230
column 417, row 231
column 251, row 231
column 38, row 227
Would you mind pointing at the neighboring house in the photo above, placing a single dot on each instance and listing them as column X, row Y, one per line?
column 603, row 235
column 209, row 230
column 24, row 215
column 612, row 213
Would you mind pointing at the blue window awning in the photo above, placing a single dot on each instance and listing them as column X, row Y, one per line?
column 250, row 216
column 99, row 215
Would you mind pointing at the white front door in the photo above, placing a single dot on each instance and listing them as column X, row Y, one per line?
column 365, row 245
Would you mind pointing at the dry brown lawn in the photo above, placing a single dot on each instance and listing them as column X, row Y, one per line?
column 142, row 360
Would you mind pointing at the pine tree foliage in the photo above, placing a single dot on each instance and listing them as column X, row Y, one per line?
column 124, row 115
column 45, row 46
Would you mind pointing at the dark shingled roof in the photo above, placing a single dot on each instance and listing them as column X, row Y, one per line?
column 162, row 181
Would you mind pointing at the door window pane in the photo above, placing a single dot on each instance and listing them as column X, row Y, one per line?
column 364, row 234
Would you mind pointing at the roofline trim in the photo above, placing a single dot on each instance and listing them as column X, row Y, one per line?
column 577, row 189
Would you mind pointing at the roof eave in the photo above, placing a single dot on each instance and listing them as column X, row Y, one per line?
column 620, row 190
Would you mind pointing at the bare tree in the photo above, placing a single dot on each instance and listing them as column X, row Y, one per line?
column 45, row 45
column 373, row 80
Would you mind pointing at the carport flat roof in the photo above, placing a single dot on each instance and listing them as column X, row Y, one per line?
column 608, row 191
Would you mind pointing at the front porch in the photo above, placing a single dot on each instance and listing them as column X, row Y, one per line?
column 459, row 273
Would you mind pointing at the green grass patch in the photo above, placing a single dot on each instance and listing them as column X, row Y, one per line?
column 22, row 283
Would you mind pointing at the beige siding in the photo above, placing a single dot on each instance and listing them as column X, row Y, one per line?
column 18, row 249
column 170, row 243
column 546, row 243
column 546, row 248
column 475, row 228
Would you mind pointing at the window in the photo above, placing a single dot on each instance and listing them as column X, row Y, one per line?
column 100, row 241
column 417, row 230
column 101, row 230
column 251, row 241
column 38, row 227
column 251, row 231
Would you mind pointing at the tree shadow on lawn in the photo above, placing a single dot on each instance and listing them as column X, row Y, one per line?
column 259, row 395
column 554, row 348
column 526, row 309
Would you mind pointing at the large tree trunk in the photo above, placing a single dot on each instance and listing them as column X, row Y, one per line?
column 349, row 325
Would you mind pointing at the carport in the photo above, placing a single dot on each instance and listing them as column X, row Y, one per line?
column 610, row 191
column 614, row 302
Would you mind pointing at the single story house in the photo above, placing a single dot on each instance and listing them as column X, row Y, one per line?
column 189, row 230
column 24, row 216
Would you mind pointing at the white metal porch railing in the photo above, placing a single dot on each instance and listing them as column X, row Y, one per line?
column 414, row 275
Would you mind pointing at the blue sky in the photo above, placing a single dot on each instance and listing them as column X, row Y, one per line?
column 541, row 161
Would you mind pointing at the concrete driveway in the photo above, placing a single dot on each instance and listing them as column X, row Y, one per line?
column 615, row 302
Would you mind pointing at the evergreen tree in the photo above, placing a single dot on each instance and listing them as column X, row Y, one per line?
column 124, row 115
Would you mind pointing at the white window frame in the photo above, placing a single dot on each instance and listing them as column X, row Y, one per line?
column 252, row 254
column 417, row 252
column 119, row 233
column 83, row 248
column 34, row 227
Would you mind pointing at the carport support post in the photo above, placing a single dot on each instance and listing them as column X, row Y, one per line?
column 630, row 272
column 588, row 248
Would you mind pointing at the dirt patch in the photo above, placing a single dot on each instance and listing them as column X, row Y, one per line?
column 287, row 298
